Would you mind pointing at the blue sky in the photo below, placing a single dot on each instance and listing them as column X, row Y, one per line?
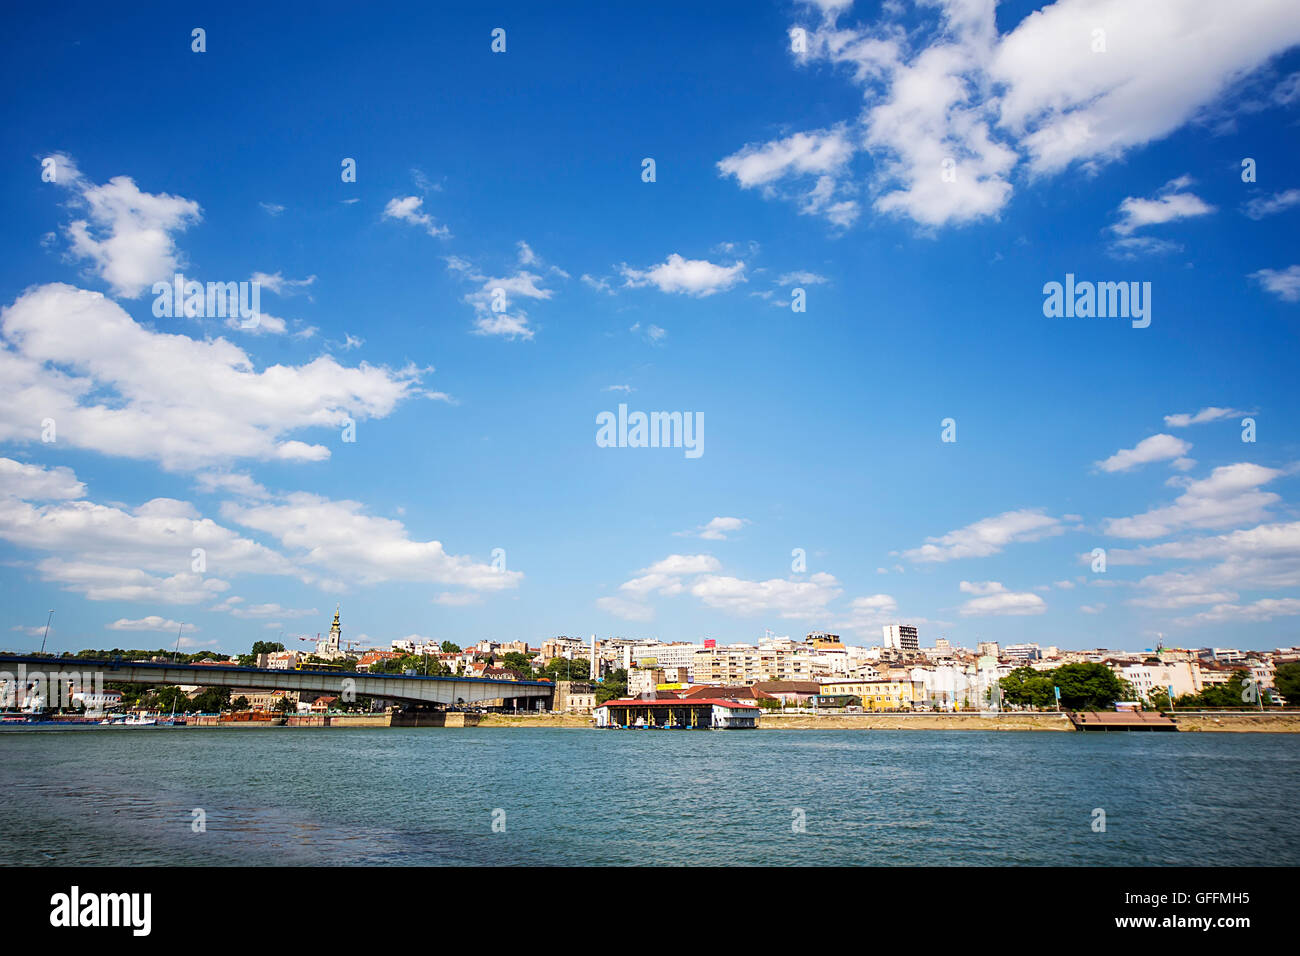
column 1113, row 157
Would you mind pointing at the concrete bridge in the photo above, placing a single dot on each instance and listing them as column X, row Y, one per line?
column 448, row 691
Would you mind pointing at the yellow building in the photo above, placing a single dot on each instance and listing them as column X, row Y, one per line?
column 879, row 694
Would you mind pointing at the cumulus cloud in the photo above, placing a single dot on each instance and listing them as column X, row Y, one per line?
column 717, row 529
column 342, row 540
column 1155, row 448
column 1265, row 609
column 988, row 536
column 494, row 301
column 1283, row 283
column 127, row 234
column 952, row 107
column 38, row 483
column 818, row 157
column 693, row 277
column 1263, row 206
column 802, row 599
column 1230, row 495
column 113, row 386
column 1210, row 414
column 407, row 209
column 151, row 623
column 994, row 599
column 107, row 552
column 1169, row 204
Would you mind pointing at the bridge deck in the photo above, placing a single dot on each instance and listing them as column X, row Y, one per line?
column 416, row 689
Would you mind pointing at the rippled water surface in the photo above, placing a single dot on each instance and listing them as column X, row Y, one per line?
column 428, row 796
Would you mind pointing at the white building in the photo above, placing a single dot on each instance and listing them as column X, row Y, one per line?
column 97, row 703
column 901, row 637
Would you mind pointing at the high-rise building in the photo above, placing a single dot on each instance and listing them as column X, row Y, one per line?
column 901, row 637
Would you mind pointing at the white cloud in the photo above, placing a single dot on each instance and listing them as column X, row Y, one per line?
column 952, row 88
column 1262, row 206
column 1283, row 283
column 1261, row 558
column 600, row 285
column 1229, row 496
column 128, row 235
column 1265, row 609
column 342, row 540
column 1210, row 414
column 995, row 600
column 694, row 277
column 277, row 283
column 495, row 313
column 117, row 388
column 988, row 536
column 38, row 483
column 1134, row 247
column 235, row 483
column 107, row 552
column 1155, row 448
column 804, row 599
column 151, row 623
column 236, row 608
column 717, row 529
column 407, row 209
column 801, row 278
column 1168, row 205
column 819, row 156
column 1164, row 60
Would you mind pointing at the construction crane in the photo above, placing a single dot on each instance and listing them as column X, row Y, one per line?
column 346, row 645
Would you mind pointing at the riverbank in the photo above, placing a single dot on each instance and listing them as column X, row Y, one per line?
column 904, row 721
column 534, row 720
column 1239, row 723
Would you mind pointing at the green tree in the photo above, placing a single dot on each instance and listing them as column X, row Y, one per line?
column 613, row 686
column 561, row 668
column 520, row 663
column 239, row 703
column 1026, row 687
column 212, row 700
column 284, row 705
column 449, row 648
column 172, row 698
column 1087, row 685
column 1286, row 678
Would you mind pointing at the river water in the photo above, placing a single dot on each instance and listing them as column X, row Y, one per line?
column 577, row 796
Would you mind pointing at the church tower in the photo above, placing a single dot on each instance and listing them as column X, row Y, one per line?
column 330, row 648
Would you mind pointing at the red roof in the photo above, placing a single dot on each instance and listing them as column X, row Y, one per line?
column 692, row 701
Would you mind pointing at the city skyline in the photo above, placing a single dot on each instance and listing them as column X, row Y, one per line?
column 411, row 425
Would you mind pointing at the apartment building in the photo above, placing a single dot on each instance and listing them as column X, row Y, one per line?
column 901, row 637
column 1148, row 678
column 746, row 664
column 878, row 694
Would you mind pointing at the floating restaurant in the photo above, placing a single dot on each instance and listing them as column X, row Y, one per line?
column 677, row 714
